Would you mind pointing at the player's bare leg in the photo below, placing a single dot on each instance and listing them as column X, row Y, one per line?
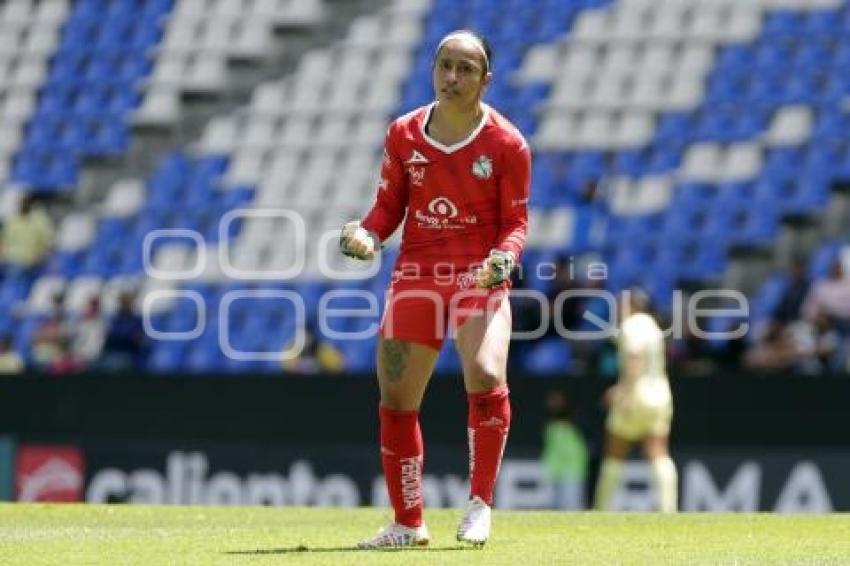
column 404, row 369
column 482, row 343
column 611, row 470
column 663, row 472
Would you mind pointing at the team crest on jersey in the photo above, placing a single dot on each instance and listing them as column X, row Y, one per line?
column 417, row 158
column 482, row 167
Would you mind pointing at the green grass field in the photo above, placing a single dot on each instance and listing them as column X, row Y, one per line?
column 90, row 534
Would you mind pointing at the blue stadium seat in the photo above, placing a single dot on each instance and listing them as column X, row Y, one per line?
column 766, row 299
column 95, row 71
column 823, row 259
column 167, row 357
column 551, row 356
column 449, row 361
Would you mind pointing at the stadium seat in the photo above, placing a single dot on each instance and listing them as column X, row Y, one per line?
column 708, row 123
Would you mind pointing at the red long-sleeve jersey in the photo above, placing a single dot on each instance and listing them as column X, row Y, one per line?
column 458, row 202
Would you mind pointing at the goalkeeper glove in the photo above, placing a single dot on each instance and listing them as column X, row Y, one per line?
column 355, row 241
column 496, row 268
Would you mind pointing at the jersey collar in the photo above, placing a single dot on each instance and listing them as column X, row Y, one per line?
column 462, row 143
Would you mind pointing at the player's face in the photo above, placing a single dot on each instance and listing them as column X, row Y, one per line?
column 459, row 74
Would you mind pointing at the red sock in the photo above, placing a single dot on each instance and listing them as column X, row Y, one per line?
column 401, row 458
column 488, row 424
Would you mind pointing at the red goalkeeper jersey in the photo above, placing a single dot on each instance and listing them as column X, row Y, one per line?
column 458, row 202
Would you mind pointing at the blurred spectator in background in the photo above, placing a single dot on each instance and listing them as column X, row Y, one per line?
column 27, row 238
column 573, row 311
column 566, row 280
column 819, row 345
column 89, row 333
column 788, row 309
column 830, row 296
column 10, row 361
column 564, row 454
column 525, row 317
column 690, row 355
column 124, row 346
column 317, row 355
column 65, row 361
column 774, row 349
column 46, row 344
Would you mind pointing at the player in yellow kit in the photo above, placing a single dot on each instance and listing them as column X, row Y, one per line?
column 641, row 405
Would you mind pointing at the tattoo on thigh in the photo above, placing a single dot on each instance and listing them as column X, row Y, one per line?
column 394, row 354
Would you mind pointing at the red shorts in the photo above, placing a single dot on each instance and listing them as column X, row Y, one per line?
column 425, row 309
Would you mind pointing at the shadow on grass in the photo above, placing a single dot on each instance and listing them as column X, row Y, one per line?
column 305, row 549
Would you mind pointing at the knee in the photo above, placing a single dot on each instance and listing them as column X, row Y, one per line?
column 483, row 378
column 398, row 400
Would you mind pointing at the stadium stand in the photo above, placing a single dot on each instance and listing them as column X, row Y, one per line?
column 671, row 137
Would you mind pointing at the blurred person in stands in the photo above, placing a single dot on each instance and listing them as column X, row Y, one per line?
column 565, row 281
column 640, row 405
column 47, row 339
column 65, row 361
column 316, row 356
column 790, row 304
column 690, row 355
column 830, row 296
column 124, row 346
column 457, row 173
column 564, row 453
column 27, row 239
column 775, row 349
column 819, row 344
column 10, row 361
column 527, row 317
column 89, row 333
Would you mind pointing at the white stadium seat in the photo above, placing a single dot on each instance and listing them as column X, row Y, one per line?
column 125, row 198
column 76, row 231
column 540, row 64
column 645, row 196
column 702, row 162
column 219, row 135
column 17, row 11
column 53, row 12
column 741, row 162
column 80, row 290
column 205, row 74
column 245, row 168
column 258, row 134
column 160, row 107
column 43, row 292
column 791, row 125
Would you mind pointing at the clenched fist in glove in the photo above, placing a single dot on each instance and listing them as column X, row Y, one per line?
column 496, row 268
column 355, row 241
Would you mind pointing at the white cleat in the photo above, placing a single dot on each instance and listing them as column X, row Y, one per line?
column 397, row 536
column 475, row 526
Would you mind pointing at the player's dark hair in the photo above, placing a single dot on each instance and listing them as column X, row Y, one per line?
column 488, row 50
